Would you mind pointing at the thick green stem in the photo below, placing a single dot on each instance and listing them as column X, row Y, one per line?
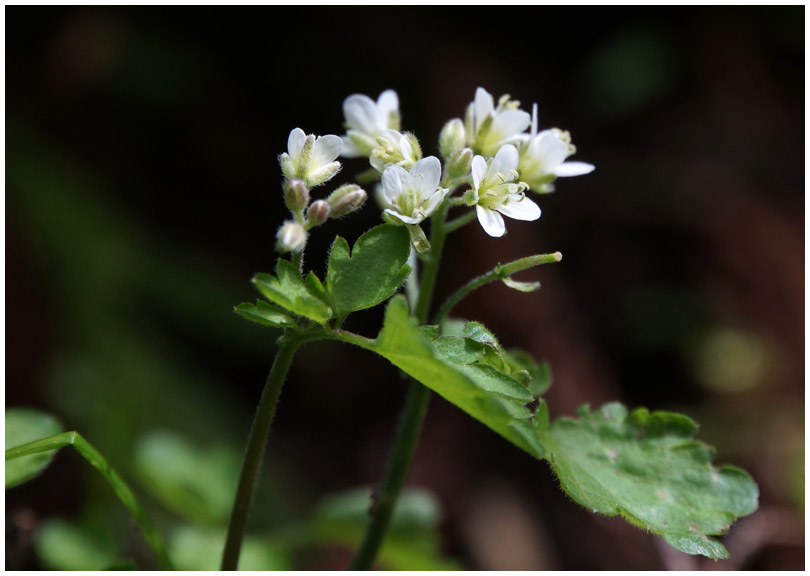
column 411, row 419
column 257, row 440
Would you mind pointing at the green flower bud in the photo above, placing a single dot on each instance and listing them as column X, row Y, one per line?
column 459, row 163
column 452, row 138
column 296, row 195
column 346, row 200
column 318, row 213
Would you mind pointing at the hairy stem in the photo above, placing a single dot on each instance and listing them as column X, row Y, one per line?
column 257, row 440
column 410, row 421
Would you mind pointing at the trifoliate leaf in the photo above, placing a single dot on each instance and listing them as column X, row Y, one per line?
column 289, row 290
column 372, row 272
column 451, row 367
column 263, row 313
column 22, row 426
column 648, row 468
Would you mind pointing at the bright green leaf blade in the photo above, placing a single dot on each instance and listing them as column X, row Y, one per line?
column 445, row 367
column 263, row 313
column 23, row 426
column 288, row 290
column 197, row 484
column 412, row 541
column 647, row 468
column 372, row 272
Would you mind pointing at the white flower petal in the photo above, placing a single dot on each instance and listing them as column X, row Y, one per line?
column 509, row 124
column 350, row 149
column 405, row 148
column 479, row 171
column 361, row 113
column 483, row 106
column 387, row 103
column 431, row 170
column 434, row 201
column 551, row 150
column 573, row 169
column 326, row 149
column 524, row 209
column 491, row 222
column 505, row 161
column 394, row 179
column 402, row 218
column 295, row 143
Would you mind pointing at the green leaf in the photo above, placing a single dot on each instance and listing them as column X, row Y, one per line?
column 649, row 469
column 265, row 314
column 22, row 426
column 196, row 548
column 119, row 487
column 197, row 484
column 412, row 541
column 540, row 373
column 372, row 272
column 289, row 290
column 62, row 545
column 452, row 368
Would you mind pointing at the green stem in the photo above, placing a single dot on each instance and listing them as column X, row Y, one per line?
column 119, row 487
column 411, row 418
column 500, row 272
column 257, row 440
column 454, row 225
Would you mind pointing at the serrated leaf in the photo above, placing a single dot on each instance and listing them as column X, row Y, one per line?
column 648, row 468
column 540, row 372
column 263, row 313
column 289, row 290
column 372, row 272
column 448, row 367
column 25, row 425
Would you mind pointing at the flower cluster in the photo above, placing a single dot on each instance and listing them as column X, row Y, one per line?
column 488, row 157
column 310, row 161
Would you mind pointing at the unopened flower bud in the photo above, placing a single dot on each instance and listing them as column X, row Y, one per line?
column 292, row 237
column 452, row 138
column 345, row 200
column 318, row 213
column 459, row 163
column 296, row 195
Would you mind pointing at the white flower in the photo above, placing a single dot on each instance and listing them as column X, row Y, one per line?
column 489, row 127
column 395, row 148
column 412, row 196
column 366, row 121
column 542, row 158
column 496, row 192
column 311, row 158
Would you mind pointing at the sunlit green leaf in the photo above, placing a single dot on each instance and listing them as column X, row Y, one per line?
column 450, row 367
column 263, row 313
column 649, row 469
column 197, row 484
column 22, row 426
column 289, row 290
column 372, row 272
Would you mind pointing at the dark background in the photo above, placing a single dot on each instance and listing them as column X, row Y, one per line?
column 142, row 192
